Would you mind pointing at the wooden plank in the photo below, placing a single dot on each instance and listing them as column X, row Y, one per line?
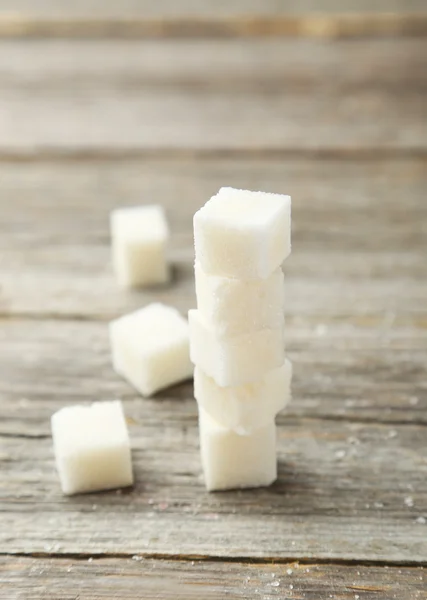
column 347, row 25
column 345, row 491
column 341, row 372
column 49, row 579
column 203, row 95
column 359, row 234
column 208, row 8
column 328, row 18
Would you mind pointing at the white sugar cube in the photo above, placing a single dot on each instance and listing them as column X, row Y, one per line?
column 150, row 348
column 234, row 360
column 234, row 461
column 235, row 306
column 243, row 234
column 245, row 408
column 92, row 449
column 139, row 238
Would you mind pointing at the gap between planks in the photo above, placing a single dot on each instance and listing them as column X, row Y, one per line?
column 212, row 558
column 372, row 321
column 84, row 155
column 350, row 419
column 178, row 580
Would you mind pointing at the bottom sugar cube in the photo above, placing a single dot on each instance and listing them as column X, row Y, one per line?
column 233, row 461
column 92, row 449
column 244, row 408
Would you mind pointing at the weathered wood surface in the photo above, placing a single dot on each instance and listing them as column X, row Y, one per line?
column 345, row 491
column 342, row 371
column 359, row 232
column 213, row 95
column 341, row 125
column 109, row 579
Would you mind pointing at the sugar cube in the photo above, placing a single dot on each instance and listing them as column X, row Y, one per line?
column 139, row 238
column 150, row 348
column 243, row 234
column 234, row 360
column 231, row 460
column 245, row 408
column 92, row 449
column 236, row 306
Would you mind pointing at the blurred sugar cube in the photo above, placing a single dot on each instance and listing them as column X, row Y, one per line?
column 139, row 239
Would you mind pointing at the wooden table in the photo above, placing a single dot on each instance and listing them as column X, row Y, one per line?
column 122, row 104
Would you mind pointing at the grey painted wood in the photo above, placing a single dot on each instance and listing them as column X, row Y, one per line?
column 109, row 579
column 359, row 240
column 203, row 95
column 86, row 126
column 346, row 491
column 342, row 372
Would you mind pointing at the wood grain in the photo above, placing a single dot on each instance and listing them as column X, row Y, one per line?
column 341, row 372
column 87, row 125
column 204, row 95
column 359, row 234
column 346, row 491
column 48, row 579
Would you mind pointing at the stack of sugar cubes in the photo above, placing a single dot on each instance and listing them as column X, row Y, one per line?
column 242, row 378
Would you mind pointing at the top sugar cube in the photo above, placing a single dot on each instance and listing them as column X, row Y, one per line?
column 243, row 234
